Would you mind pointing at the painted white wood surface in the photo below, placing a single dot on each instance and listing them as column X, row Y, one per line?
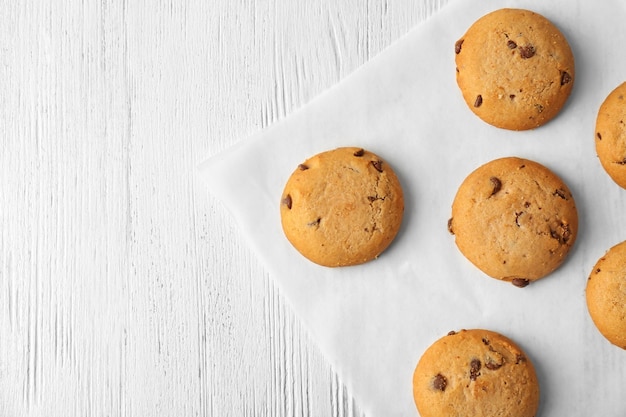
column 125, row 288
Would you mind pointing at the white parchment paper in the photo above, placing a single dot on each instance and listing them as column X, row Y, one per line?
column 374, row 321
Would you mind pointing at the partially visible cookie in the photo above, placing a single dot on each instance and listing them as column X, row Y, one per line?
column 514, row 219
column 477, row 373
column 514, row 68
column 606, row 295
column 342, row 207
column 611, row 135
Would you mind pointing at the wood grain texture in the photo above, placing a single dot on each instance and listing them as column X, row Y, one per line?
column 125, row 288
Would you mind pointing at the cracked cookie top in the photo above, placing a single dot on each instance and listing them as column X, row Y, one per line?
column 514, row 219
column 475, row 373
column 342, row 207
column 515, row 69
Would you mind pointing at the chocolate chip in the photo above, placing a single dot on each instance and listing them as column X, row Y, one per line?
column 450, row 226
column 519, row 358
column 527, row 51
column 479, row 101
column 565, row 78
column 562, row 234
column 497, row 185
column 599, row 136
column 359, row 153
column 566, row 232
column 511, row 44
column 302, row 167
column 520, row 282
column 315, row 222
column 622, row 162
column 518, row 214
column 474, row 369
column 457, row 46
column 492, row 366
column 451, row 333
column 440, row 382
column 560, row 193
column 527, row 204
column 371, row 198
column 378, row 164
column 512, row 96
column 486, row 341
column 287, row 201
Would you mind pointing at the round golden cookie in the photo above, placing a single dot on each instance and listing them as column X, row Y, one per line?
column 477, row 373
column 606, row 295
column 342, row 207
column 611, row 135
column 514, row 68
column 514, row 219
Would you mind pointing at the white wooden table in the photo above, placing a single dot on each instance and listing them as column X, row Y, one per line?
column 125, row 288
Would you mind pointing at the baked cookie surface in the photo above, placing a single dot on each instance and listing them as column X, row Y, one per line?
column 515, row 69
column 514, row 219
column 611, row 135
column 606, row 295
column 475, row 373
column 342, row 207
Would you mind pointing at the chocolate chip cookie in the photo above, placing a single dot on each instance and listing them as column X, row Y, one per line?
column 514, row 219
column 611, row 135
column 515, row 69
column 606, row 295
column 342, row 207
column 475, row 373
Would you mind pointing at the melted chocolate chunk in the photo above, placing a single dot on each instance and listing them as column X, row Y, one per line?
column 527, row 51
column 565, row 78
column 440, row 382
column 359, row 153
column 520, row 282
column 287, row 201
column 492, row 366
column 378, row 164
column 566, row 232
column 475, row 369
column 479, row 101
column 315, row 222
column 457, row 46
column 497, row 185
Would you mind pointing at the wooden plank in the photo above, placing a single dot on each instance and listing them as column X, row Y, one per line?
column 125, row 288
